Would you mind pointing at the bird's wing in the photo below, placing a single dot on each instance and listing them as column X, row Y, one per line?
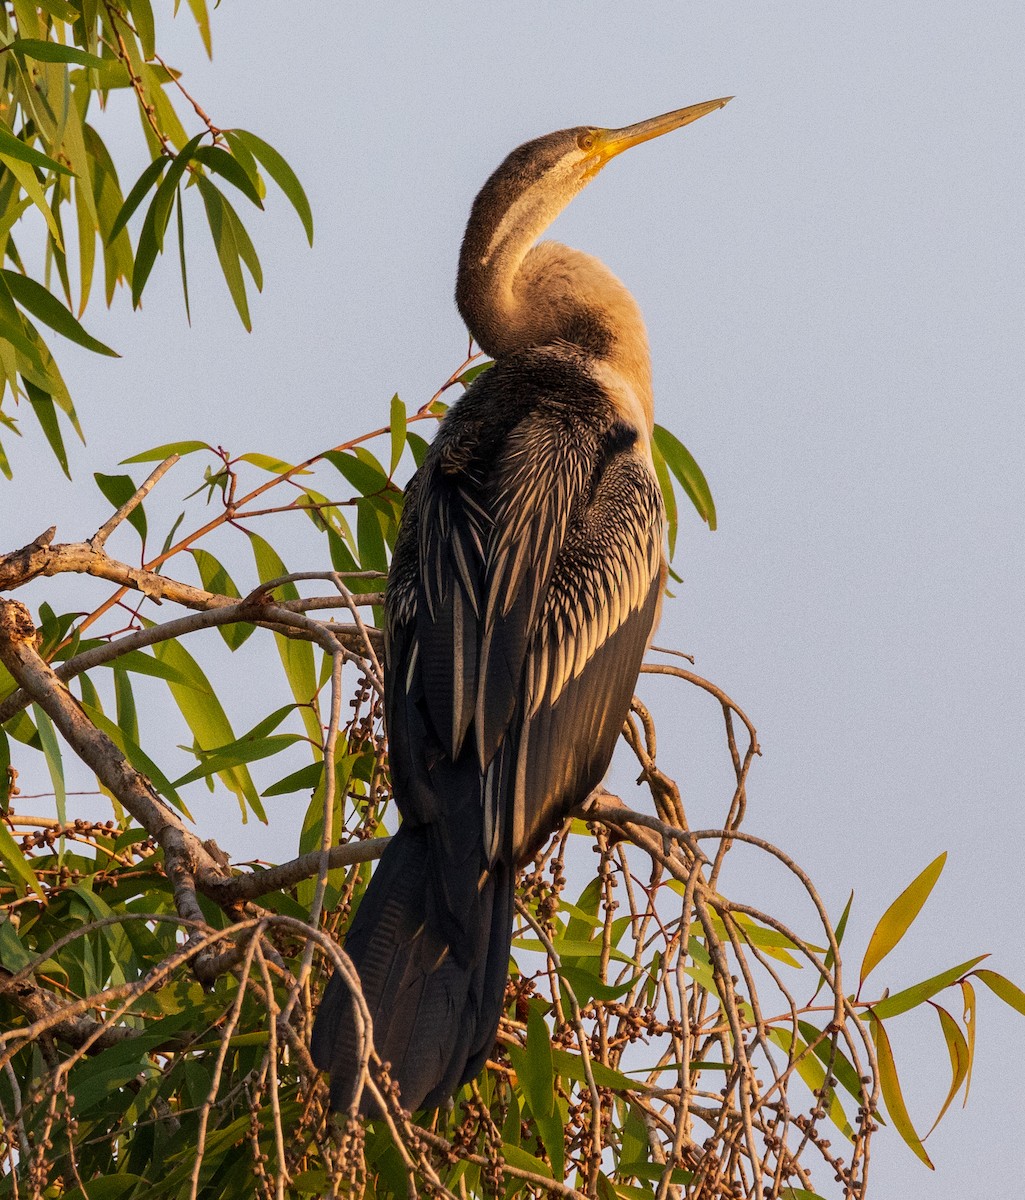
column 523, row 593
column 573, row 585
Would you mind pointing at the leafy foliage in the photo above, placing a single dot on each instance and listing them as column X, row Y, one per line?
column 59, row 63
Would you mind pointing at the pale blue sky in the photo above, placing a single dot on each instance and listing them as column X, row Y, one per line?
column 831, row 270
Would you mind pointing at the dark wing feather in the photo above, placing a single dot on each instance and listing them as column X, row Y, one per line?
column 593, row 620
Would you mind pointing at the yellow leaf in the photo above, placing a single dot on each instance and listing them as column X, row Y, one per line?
column 898, row 918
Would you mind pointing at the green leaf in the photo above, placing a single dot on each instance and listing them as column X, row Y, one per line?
column 368, row 478
column 5, row 772
column 216, row 579
column 141, row 663
column 911, row 997
column 12, row 147
column 45, row 412
column 535, row 1065
column 221, row 163
column 280, row 172
column 813, row 1072
column 841, row 928
column 898, row 918
column 471, row 373
column 419, row 447
column 682, row 464
column 243, row 751
column 183, row 267
column 202, row 17
column 17, row 863
column 206, row 718
column 296, row 656
column 397, row 423
column 893, row 1097
column 54, row 52
column 587, row 986
column 134, row 198
column 154, row 226
column 43, row 304
column 223, row 231
column 1009, row 992
column 54, row 762
column 142, row 15
column 276, row 466
column 118, row 489
column 668, row 497
column 571, row 1066
column 139, row 759
column 516, row 1157
column 159, row 453
column 957, row 1049
column 305, row 779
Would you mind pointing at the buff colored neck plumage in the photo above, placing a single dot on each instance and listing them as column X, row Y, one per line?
column 515, row 294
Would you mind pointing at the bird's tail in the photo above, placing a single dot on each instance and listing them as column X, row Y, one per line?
column 431, row 945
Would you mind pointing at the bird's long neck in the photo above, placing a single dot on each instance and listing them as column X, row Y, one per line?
column 515, row 294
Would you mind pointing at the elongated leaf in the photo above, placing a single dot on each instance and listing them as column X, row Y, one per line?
column 159, row 453
column 968, row 992
column 668, row 497
column 534, row 1065
column 118, row 489
column 397, row 422
column 17, row 863
column 811, row 1070
column 54, row 762
column 516, row 1157
column 12, row 147
column 43, row 304
column 841, row 928
column 276, row 466
column 280, row 172
column 5, row 771
column 222, row 230
column 141, row 663
column 893, row 1097
column 1009, row 992
column 216, row 579
column 206, row 718
column 571, row 1066
column 913, row 996
column 683, row 465
column 957, row 1049
column 202, row 17
column 142, row 15
column 139, row 759
column 240, row 752
column 46, row 414
column 134, row 198
column 54, row 52
column 183, row 267
column 303, row 780
column 897, row 919
column 368, row 478
column 221, row 163
column 296, row 656
column 154, row 226
column 418, row 446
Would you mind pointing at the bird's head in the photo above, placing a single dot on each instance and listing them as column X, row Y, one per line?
column 538, row 179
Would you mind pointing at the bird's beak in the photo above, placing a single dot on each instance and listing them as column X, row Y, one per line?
column 614, row 141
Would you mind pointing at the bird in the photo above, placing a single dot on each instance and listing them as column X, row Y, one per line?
column 526, row 582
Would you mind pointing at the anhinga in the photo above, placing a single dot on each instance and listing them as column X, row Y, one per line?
column 525, row 586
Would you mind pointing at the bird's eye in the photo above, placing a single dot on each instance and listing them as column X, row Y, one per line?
column 586, row 141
